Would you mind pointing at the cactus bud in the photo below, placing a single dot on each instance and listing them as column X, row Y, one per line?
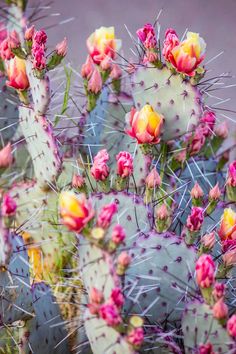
column 61, row 48
column 231, row 326
column 153, row 179
column 196, row 194
column 220, row 309
column 87, row 68
column 95, row 82
column 106, row 214
column 205, row 271
column 6, row 157
column 218, row 291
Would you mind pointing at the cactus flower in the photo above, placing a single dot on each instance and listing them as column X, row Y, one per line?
column 40, row 37
column 136, row 337
column 95, row 82
column 99, row 169
column 184, row 56
column 75, row 210
column 106, row 214
column 231, row 326
column 228, row 225
column 145, row 125
column 222, row 130
column 207, row 122
column 96, row 296
column 124, row 259
column 215, row 193
column 196, row 191
column 220, row 309
column 110, row 313
column 206, row 349
column 102, row 43
column 8, row 206
column 218, row 291
column 205, row 271
column 6, row 156
column 38, row 53
column 231, row 180
column 208, row 240
column 17, row 77
column 87, row 68
column 117, row 297
column 124, row 164
column 195, row 219
column 162, row 212
column 229, row 258
column 153, row 179
column 14, row 40
column 62, row 47
column 118, row 234
column 29, row 33
column 78, row 181
column 5, row 50
column 147, row 36
column 197, row 141
column 116, row 72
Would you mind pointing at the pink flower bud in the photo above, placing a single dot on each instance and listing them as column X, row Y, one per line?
column 197, row 141
column 124, row 164
column 29, row 33
column 222, row 130
column 124, row 259
column 215, row 192
column 96, row 296
column 78, row 181
column 162, row 212
column 87, row 68
column 170, row 42
column 110, row 314
column 229, row 258
column 38, row 54
column 117, row 297
column 206, row 349
column 106, row 214
column 231, row 180
column 61, row 48
column 40, row 37
column 136, row 337
column 205, row 271
column 6, row 157
column 207, row 122
column 106, row 63
column 147, row 36
column 153, row 179
column 118, row 234
column 116, row 72
column 150, row 57
column 14, row 40
column 219, row 291
column 95, row 82
column 100, row 170
column 8, row 206
column 231, row 326
column 196, row 191
column 208, row 240
column 195, row 219
column 181, row 156
column 5, row 50
column 220, row 309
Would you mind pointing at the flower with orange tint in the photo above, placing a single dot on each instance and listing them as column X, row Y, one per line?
column 17, row 77
column 184, row 56
column 145, row 125
column 75, row 210
column 36, row 260
column 102, row 43
column 228, row 225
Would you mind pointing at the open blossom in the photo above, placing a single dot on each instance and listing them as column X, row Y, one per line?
column 222, row 130
column 153, row 179
column 110, row 313
column 16, row 72
column 6, row 157
column 195, row 219
column 61, row 48
column 145, row 125
column 106, row 214
column 75, row 210
column 95, row 82
column 87, row 68
column 118, row 234
column 231, row 180
column 124, row 164
column 215, row 192
column 117, row 297
column 228, row 225
column 8, row 206
column 184, row 56
column 231, row 326
column 102, row 43
column 207, row 122
column 196, row 191
column 220, row 309
column 136, row 337
column 208, row 240
column 218, row 291
column 147, row 36
column 100, row 170
column 205, row 271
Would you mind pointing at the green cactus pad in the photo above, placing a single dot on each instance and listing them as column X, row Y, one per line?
column 170, row 95
column 42, row 146
column 199, row 327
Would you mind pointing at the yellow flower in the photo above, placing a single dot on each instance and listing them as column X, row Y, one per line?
column 228, row 225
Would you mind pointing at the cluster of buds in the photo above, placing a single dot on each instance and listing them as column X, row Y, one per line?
column 197, row 195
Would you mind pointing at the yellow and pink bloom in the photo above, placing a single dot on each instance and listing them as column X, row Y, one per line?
column 147, row 36
column 16, row 72
column 227, row 229
column 145, row 125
